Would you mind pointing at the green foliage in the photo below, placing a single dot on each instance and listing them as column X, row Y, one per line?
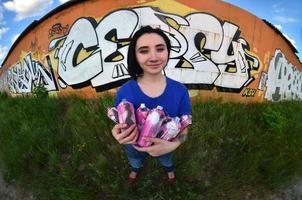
column 62, row 148
column 272, row 120
column 40, row 91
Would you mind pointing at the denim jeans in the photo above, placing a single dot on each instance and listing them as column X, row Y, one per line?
column 136, row 158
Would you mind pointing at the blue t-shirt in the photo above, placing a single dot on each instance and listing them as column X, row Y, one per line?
column 175, row 99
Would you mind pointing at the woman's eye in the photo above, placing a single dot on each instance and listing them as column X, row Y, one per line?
column 143, row 51
column 160, row 49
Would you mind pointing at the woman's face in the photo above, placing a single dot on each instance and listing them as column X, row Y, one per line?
column 151, row 53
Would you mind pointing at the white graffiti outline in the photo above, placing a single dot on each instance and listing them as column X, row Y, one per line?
column 203, row 69
column 205, row 50
column 284, row 81
column 25, row 75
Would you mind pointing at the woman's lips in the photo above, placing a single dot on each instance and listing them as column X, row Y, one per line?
column 154, row 65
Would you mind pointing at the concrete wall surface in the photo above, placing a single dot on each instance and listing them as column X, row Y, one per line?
column 218, row 50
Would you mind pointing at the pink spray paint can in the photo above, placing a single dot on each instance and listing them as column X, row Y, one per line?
column 151, row 126
column 126, row 114
column 185, row 120
column 141, row 115
column 170, row 128
column 112, row 113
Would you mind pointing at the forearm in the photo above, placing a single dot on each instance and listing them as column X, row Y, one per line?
column 161, row 147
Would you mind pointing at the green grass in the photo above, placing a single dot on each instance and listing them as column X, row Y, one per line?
column 62, row 149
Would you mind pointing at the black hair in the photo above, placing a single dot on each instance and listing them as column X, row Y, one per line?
column 134, row 68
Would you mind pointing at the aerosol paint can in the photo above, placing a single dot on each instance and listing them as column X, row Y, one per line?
column 141, row 115
column 151, row 126
column 170, row 128
column 112, row 113
column 126, row 114
column 185, row 120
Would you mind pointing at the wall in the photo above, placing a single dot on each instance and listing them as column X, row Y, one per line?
column 219, row 50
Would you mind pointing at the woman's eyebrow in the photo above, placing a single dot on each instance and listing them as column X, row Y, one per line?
column 147, row 47
column 160, row 45
column 142, row 47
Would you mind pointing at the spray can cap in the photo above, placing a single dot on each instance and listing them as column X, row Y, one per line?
column 159, row 107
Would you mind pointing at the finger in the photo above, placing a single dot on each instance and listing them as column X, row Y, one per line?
column 137, row 148
column 136, row 138
column 133, row 134
column 125, row 132
column 133, row 141
column 117, row 128
column 115, row 132
column 129, row 138
column 121, row 126
column 153, row 140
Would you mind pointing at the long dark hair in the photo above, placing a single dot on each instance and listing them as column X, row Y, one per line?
column 134, row 68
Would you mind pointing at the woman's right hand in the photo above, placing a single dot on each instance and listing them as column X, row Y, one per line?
column 125, row 135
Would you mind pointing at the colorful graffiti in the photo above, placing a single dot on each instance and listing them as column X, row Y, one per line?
column 284, row 81
column 27, row 74
column 207, row 52
column 249, row 92
column 212, row 54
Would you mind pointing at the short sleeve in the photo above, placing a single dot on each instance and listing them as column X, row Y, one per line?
column 185, row 106
column 124, row 92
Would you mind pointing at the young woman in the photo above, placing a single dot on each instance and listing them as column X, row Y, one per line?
column 148, row 55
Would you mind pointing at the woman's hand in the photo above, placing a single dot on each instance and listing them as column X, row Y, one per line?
column 125, row 135
column 159, row 146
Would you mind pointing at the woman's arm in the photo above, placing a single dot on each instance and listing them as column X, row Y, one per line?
column 161, row 147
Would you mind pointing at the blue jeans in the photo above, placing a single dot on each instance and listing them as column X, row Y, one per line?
column 136, row 158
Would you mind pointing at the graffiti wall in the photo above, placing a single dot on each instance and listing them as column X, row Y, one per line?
column 218, row 51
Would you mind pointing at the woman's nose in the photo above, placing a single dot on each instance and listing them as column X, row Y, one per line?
column 153, row 55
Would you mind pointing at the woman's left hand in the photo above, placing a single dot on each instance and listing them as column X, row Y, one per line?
column 159, row 146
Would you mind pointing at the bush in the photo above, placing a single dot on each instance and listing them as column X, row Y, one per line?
column 272, row 120
column 40, row 91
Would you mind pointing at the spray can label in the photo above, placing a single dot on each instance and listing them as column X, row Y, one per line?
column 112, row 113
column 170, row 128
column 151, row 126
column 141, row 116
column 126, row 114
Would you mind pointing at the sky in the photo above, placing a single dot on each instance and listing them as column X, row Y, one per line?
column 286, row 15
column 16, row 15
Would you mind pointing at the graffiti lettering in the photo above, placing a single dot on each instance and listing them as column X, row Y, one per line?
column 3, row 82
column 95, row 53
column 71, row 71
column 23, row 77
column 114, row 36
column 201, row 54
column 284, row 81
column 57, row 29
column 194, row 67
column 249, row 92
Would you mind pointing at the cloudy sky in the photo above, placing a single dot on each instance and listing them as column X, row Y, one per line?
column 286, row 15
column 16, row 15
